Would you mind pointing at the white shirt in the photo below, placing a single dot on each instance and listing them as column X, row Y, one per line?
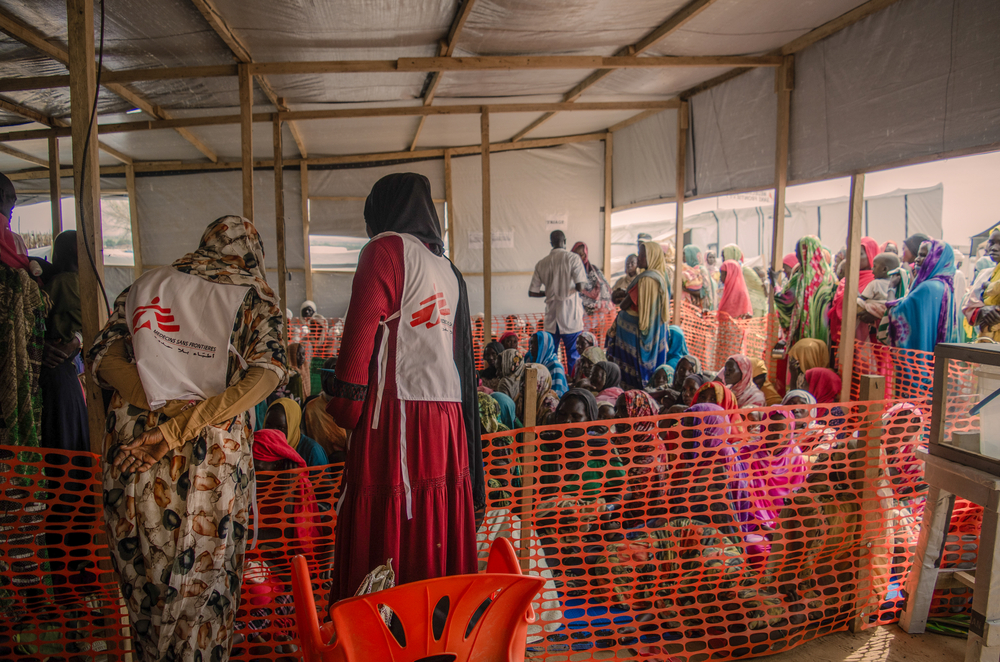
column 560, row 272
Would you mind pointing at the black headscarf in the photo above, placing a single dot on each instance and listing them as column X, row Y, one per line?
column 913, row 242
column 588, row 399
column 402, row 203
column 489, row 372
column 613, row 375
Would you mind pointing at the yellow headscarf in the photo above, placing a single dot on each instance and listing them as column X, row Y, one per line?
column 293, row 418
column 649, row 289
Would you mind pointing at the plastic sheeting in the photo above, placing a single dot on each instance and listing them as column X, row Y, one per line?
column 533, row 192
column 916, row 79
column 346, row 218
column 644, row 160
column 734, row 131
column 175, row 209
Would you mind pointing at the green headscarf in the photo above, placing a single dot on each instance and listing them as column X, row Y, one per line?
column 691, row 253
column 810, row 293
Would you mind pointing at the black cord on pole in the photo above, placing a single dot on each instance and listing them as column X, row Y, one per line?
column 81, row 226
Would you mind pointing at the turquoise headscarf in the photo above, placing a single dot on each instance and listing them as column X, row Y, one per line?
column 676, row 346
column 507, row 411
column 549, row 357
column 691, row 253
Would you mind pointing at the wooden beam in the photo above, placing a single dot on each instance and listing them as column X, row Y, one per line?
column 279, row 218
column 242, row 54
column 246, row 139
column 608, row 200
column 449, row 205
column 304, row 185
column 783, row 87
column 850, row 313
column 55, row 186
column 680, row 186
column 484, row 127
column 24, row 156
column 416, row 134
column 433, row 65
column 676, row 21
column 565, row 62
column 133, row 215
column 32, row 37
column 83, row 89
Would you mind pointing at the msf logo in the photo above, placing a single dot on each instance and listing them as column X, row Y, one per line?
column 432, row 308
column 161, row 316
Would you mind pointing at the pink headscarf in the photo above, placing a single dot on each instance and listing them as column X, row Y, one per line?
column 735, row 296
column 791, row 261
column 271, row 446
column 746, row 392
column 12, row 250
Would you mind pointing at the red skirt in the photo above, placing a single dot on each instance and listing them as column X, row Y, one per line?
column 422, row 444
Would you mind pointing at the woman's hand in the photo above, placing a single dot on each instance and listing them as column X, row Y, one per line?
column 142, row 453
column 57, row 353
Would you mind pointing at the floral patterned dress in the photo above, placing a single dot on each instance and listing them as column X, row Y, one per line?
column 177, row 532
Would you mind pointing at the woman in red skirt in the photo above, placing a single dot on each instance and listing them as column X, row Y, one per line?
column 406, row 391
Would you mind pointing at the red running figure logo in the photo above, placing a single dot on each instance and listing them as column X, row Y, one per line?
column 162, row 316
column 431, row 305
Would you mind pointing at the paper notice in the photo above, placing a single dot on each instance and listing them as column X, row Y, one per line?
column 500, row 239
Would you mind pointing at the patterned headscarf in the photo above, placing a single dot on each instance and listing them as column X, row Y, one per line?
column 815, row 286
column 590, row 338
column 230, row 253
column 511, row 371
column 489, row 413
column 595, row 355
column 547, row 354
column 638, row 404
column 940, row 266
column 805, row 396
column 746, row 392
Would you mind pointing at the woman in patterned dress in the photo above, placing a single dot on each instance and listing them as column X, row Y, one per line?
column 178, row 481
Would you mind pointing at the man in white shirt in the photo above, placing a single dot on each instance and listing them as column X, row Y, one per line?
column 563, row 276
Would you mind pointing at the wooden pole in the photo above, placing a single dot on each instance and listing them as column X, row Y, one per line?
column 865, row 460
column 55, row 186
column 526, row 500
column 86, row 171
column 449, row 205
column 246, row 138
column 680, row 185
column 133, row 215
column 609, row 148
column 783, row 83
column 849, row 322
column 487, row 231
column 304, row 179
column 279, row 219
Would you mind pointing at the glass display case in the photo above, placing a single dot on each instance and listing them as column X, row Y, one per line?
column 965, row 425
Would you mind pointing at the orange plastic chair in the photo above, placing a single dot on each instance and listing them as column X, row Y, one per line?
column 485, row 617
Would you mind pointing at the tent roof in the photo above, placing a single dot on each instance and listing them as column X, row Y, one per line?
column 176, row 33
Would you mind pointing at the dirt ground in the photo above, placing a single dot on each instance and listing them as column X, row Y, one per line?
column 882, row 644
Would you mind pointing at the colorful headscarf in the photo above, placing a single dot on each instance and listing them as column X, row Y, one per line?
column 509, row 334
column 735, row 296
column 811, row 289
column 676, row 346
column 865, row 277
column 732, row 252
column 806, row 396
column 824, row 384
column 586, row 254
column 653, row 301
column 639, row 404
column 668, row 370
column 595, row 355
column 270, row 446
column 746, row 392
column 489, row 413
column 590, row 338
column 908, row 329
column 790, row 260
column 546, row 398
column 721, row 394
column 547, row 355
column 293, row 418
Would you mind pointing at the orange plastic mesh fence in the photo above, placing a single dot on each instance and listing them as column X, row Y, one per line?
column 713, row 337
column 909, row 373
column 680, row 536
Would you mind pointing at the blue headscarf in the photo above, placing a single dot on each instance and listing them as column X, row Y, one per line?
column 677, row 347
column 507, row 409
column 548, row 357
column 927, row 315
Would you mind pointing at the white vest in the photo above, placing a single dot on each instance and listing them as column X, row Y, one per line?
column 181, row 326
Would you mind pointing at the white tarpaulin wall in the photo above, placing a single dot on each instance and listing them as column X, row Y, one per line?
column 645, row 160
column 533, row 192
